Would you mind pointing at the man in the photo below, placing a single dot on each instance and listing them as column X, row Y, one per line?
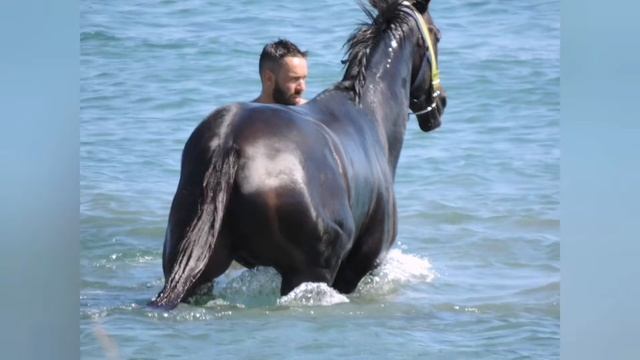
column 283, row 73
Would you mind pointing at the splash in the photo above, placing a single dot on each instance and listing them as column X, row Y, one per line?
column 252, row 287
column 397, row 269
column 261, row 286
column 313, row 294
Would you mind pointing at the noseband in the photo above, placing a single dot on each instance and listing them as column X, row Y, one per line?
column 435, row 73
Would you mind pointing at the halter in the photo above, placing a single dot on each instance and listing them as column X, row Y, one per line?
column 435, row 73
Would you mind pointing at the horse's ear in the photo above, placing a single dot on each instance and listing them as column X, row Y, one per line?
column 421, row 5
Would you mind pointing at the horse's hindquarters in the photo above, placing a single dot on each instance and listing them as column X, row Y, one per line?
column 287, row 226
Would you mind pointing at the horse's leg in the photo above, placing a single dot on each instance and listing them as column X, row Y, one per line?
column 323, row 260
column 365, row 253
column 360, row 261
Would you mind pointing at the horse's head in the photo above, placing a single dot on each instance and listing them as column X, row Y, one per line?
column 427, row 97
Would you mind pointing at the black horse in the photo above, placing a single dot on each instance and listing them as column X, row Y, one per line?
column 307, row 190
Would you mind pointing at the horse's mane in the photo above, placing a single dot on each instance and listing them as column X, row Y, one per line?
column 366, row 37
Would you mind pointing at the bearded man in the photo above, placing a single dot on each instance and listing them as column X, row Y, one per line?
column 283, row 73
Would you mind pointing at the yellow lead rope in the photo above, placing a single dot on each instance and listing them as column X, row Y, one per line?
column 424, row 28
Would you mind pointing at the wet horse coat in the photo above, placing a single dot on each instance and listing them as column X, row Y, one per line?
column 308, row 189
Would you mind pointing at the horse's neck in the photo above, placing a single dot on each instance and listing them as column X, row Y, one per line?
column 386, row 92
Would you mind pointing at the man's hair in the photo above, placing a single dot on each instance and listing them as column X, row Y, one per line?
column 273, row 53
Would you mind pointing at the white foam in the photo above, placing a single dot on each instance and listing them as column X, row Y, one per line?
column 313, row 294
column 261, row 286
column 397, row 269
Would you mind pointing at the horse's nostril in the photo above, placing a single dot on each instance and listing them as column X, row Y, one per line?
column 443, row 101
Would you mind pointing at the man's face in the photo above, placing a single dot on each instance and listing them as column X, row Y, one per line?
column 291, row 81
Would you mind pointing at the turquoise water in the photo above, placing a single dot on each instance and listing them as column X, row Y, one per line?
column 475, row 272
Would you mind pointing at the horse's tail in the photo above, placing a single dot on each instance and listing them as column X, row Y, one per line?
column 200, row 238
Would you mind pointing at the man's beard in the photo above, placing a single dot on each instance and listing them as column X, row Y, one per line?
column 281, row 97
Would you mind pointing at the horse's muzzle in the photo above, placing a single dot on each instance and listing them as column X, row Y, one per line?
column 432, row 120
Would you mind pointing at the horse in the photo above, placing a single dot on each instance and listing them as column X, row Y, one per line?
column 307, row 190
